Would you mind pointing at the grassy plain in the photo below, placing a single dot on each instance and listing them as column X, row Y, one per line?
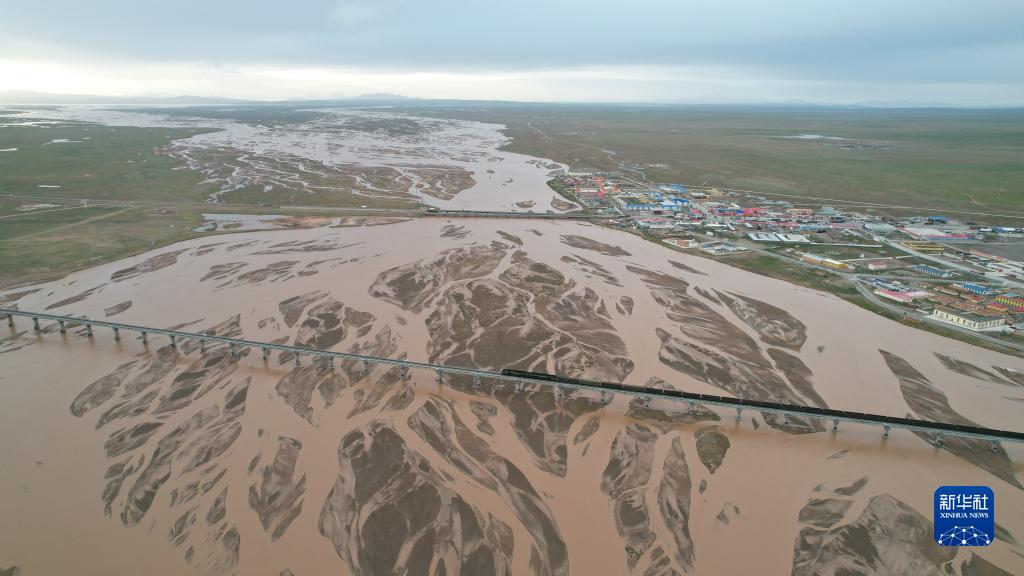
column 120, row 165
column 791, row 271
column 49, row 245
column 966, row 161
column 99, row 162
column 148, row 198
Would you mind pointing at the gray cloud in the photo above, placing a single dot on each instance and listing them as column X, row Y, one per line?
column 869, row 41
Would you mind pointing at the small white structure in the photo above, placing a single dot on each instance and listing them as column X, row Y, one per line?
column 880, row 227
column 654, row 224
column 968, row 320
column 683, row 242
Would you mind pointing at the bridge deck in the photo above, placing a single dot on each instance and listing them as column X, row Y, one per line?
column 692, row 399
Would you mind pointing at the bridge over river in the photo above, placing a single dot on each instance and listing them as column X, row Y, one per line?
column 689, row 401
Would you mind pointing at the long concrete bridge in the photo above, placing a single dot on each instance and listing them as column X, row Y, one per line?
column 606, row 390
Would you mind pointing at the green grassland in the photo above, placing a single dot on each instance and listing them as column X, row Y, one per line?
column 790, row 271
column 29, row 224
column 99, row 162
column 120, row 165
column 119, row 194
column 960, row 160
column 49, row 245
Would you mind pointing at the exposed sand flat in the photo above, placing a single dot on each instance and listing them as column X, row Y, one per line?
column 117, row 308
column 190, row 463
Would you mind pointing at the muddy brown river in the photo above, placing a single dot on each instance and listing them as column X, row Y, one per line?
column 120, row 457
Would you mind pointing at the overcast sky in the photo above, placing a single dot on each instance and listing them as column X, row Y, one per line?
column 968, row 52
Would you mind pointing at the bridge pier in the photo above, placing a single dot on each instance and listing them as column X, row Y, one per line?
column 10, row 320
column 561, row 387
column 330, row 362
column 298, row 360
column 366, row 368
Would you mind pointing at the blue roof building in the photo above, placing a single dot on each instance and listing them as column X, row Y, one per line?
column 670, row 206
column 640, row 207
column 932, row 271
column 976, row 288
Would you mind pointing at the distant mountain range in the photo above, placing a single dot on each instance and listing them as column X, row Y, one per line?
column 382, row 97
column 29, row 97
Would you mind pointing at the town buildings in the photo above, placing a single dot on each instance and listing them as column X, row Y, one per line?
column 875, row 264
column 826, row 262
column 932, row 271
column 975, row 288
column 1014, row 301
column 903, row 296
column 968, row 320
column 901, row 257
